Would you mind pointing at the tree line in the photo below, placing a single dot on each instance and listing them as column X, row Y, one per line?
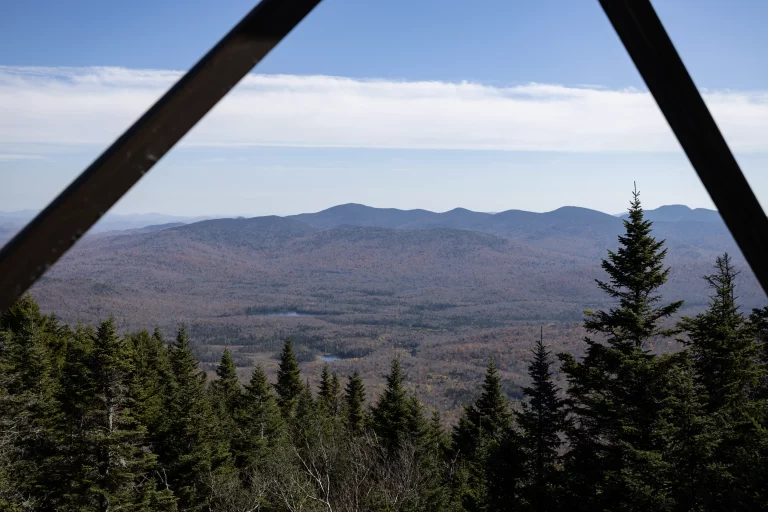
column 91, row 420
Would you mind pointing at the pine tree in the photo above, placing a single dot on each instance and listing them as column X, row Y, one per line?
column 477, row 440
column 259, row 424
column 75, row 393
column 727, row 368
column 225, row 392
column 306, row 407
column 437, row 436
column 289, row 385
column 695, row 472
column 484, row 420
column 122, row 477
column 329, row 391
column 354, row 399
column 616, row 391
column 722, row 344
column 149, row 382
column 193, row 447
column 226, row 389
column 394, row 415
column 541, row 421
column 334, row 395
column 28, row 407
column 758, row 322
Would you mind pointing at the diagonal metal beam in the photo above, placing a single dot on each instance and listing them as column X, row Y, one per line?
column 49, row 235
column 655, row 57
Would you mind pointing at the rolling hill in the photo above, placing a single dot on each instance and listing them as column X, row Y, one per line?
column 352, row 281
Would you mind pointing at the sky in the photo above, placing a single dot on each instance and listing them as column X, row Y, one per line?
column 436, row 104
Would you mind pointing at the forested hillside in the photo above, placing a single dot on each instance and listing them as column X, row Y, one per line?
column 95, row 419
column 355, row 284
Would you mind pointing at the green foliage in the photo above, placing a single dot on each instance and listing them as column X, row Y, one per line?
column 485, row 420
column 97, row 421
column 615, row 393
column 260, row 427
column 329, row 393
column 397, row 416
column 193, row 446
column 541, row 422
column 289, row 386
column 354, row 402
column 226, row 389
column 729, row 373
column 483, row 426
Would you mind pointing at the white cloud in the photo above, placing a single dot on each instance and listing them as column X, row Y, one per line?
column 76, row 106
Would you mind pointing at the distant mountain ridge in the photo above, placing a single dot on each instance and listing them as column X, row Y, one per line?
column 354, row 214
column 570, row 221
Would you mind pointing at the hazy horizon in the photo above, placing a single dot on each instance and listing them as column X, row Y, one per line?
column 31, row 211
column 340, row 112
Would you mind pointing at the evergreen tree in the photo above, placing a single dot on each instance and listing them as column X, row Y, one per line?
column 482, row 428
column 503, row 472
column 727, row 367
column 396, row 415
column 758, row 322
column 149, row 383
column 259, row 424
column 328, row 395
column 28, row 406
column 334, row 395
column 289, row 385
column 354, row 400
column 722, row 344
column 226, row 389
column 695, row 473
column 225, row 392
column 122, row 476
column 484, row 420
column 193, row 447
column 305, row 407
column 541, row 421
column 616, row 391
column 437, row 437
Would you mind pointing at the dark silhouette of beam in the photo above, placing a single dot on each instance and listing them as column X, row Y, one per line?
column 56, row 229
column 655, row 57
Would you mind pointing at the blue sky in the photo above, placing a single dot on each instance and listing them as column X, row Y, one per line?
column 490, row 105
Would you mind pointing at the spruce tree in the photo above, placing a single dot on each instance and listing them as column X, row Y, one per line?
column 122, row 466
column 695, row 471
column 479, row 440
column 758, row 321
column 484, row 420
column 149, row 382
column 616, row 390
column 29, row 408
column 393, row 415
column 260, row 426
column 727, row 368
column 354, row 400
column 328, row 395
column 75, row 395
column 193, row 448
column 306, row 407
column 289, row 385
column 226, row 388
column 541, row 422
column 225, row 392
column 722, row 344
column 334, row 395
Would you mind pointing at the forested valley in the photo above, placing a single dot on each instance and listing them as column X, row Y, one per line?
column 92, row 419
